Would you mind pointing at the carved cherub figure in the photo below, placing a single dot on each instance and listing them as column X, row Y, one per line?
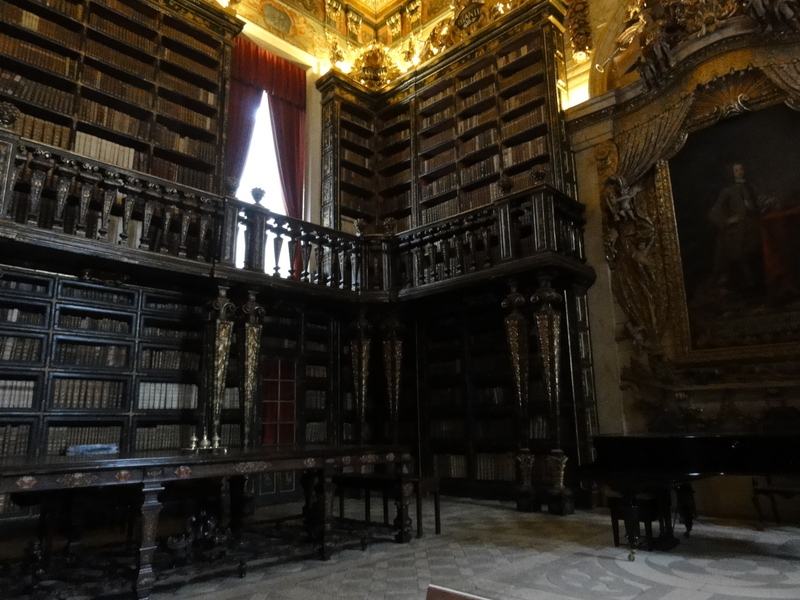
column 621, row 198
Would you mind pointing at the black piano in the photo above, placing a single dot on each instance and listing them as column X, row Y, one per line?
column 644, row 469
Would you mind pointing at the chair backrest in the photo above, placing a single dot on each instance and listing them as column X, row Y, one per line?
column 436, row 592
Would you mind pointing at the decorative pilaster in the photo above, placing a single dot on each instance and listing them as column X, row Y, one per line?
column 249, row 344
column 548, row 328
column 360, row 344
column 392, row 363
column 219, row 333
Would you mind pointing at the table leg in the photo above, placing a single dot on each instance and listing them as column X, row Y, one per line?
column 326, row 492
column 151, row 507
column 685, row 498
column 405, row 489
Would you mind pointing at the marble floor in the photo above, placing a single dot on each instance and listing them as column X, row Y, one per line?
column 489, row 549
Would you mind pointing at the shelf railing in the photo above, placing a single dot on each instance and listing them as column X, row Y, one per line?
column 50, row 189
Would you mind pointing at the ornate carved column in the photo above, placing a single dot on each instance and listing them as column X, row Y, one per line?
column 218, row 341
column 249, row 340
column 392, row 363
column 148, row 524
column 518, row 346
column 548, row 329
column 360, row 343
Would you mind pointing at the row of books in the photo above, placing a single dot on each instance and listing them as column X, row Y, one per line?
column 33, row 92
column 87, row 393
column 354, row 202
column 443, row 158
column 316, row 399
column 121, row 33
column 527, row 95
column 443, row 210
column 428, row 143
column 316, row 432
column 38, row 56
column 8, row 282
column 447, row 398
column 367, row 183
column 470, row 123
column 10, row 13
column 448, row 429
column 105, row 324
column 100, row 51
column 111, row 85
column 19, row 349
column 528, row 120
column 438, row 117
column 352, row 136
column 399, row 136
column 186, row 115
column 192, row 41
column 230, row 400
column 230, row 435
column 477, row 76
column 440, row 186
column 395, row 202
column 14, row 440
column 163, row 437
column 21, row 317
column 174, row 141
column 316, row 371
column 525, row 151
column 445, row 367
column 40, row 130
column 480, row 170
column 524, row 74
column 426, row 102
column 392, row 159
column 532, row 46
column 105, row 116
column 404, row 223
column 349, row 116
column 482, row 94
column 67, row 7
column 479, row 142
column 170, row 360
column 108, row 151
column 97, row 295
column 356, row 158
column 91, row 355
column 166, row 396
column 185, row 175
column 494, row 467
column 492, row 396
column 129, row 10
column 312, row 346
column 404, row 115
column 478, row 197
column 190, row 65
column 61, row 437
column 450, row 465
column 17, row 393
column 171, row 82
column 173, row 307
column 171, row 334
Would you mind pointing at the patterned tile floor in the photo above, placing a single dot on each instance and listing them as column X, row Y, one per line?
column 489, row 549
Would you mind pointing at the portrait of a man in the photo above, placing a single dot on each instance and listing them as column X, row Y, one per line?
column 736, row 192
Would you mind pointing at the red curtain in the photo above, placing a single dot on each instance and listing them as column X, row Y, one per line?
column 253, row 70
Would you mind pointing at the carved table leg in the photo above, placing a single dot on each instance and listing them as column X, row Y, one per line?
column 629, row 511
column 326, row 491
column 307, row 481
column 151, row 507
column 405, row 489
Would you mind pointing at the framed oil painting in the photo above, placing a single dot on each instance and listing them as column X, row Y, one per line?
column 736, row 197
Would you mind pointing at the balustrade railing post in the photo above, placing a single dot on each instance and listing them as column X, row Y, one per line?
column 292, row 246
column 168, row 209
column 277, row 245
column 186, row 220
column 130, row 192
column 305, row 253
column 505, row 230
column 256, row 238
column 66, row 173
column 111, row 184
column 20, row 162
column 40, row 165
column 152, row 197
column 89, row 178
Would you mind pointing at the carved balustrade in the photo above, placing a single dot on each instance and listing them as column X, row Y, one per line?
column 54, row 190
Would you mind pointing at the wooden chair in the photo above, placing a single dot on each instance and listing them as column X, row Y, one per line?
column 436, row 592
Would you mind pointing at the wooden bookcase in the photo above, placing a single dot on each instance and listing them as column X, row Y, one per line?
column 132, row 83
column 482, row 121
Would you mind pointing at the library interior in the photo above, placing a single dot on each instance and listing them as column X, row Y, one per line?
column 514, row 271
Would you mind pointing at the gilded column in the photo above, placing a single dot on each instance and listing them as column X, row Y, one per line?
column 249, row 341
column 360, row 343
column 220, row 330
column 392, row 363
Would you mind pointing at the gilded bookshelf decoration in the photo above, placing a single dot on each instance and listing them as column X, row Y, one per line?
column 517, row 336
column 309, row 463
column 9, row 114
column 548, row 331
column 155, row 473
column 393, row 330
column 360, row 344
column 183, row 471
column 374, row 67
column 219, row 334
column 76, row 479
column 247, row 468
column 123, row 476
column 557, row 462
column 369, row 459
column 26, row 482
column 249, row 344
column 579, row 29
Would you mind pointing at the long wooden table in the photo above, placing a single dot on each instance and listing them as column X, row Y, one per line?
column 150, row 472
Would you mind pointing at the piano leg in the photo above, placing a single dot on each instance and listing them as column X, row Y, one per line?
column 685, row 497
